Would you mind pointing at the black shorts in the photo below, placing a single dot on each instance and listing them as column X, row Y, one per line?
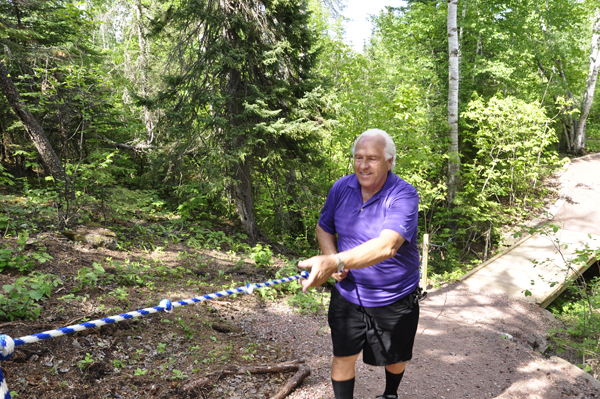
column 385, row 334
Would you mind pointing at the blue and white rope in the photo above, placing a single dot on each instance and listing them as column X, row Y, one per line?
column 7, row 347
column 7, row 344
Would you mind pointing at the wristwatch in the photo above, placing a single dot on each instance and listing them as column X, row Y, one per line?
column 339, row 262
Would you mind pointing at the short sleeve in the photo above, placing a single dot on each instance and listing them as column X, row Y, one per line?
column 402, row 215
column 327, row 219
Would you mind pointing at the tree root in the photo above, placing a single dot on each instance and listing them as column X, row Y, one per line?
column 302, row 371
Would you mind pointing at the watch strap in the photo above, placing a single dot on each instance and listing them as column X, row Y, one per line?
column 339, row 262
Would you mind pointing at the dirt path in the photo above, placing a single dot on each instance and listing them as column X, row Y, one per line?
column 461, row 349
column 460, row 352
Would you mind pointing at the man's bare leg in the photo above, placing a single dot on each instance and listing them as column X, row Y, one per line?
column 342, row 376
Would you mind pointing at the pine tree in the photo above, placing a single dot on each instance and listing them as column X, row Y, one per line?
column 241, row 89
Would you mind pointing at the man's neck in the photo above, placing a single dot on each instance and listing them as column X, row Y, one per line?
column 368, row 194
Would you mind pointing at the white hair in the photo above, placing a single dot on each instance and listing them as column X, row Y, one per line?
column 389, row 149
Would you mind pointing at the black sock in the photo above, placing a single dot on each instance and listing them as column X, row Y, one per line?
column 392, row 382
column 343, row 389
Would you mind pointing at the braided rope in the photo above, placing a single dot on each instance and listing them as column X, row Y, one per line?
column 4, row 393
column 7, row 345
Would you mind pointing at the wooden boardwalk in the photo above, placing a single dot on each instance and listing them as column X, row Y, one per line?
column 535, row 258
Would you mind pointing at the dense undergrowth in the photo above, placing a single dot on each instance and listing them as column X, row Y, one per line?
column 141, row 226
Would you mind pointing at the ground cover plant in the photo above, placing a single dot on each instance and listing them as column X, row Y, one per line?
column 51, row 282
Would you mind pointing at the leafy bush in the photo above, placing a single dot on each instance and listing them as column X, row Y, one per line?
column 20, row 260
column 508, row 144
column 131, row 273
column 6, row 179
column 262, row 256
column 20, row 299
column 90, row 276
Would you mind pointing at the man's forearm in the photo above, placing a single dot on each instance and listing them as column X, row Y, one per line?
column 373, row 251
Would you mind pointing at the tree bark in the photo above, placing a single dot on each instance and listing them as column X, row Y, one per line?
column 143, row 65
column 244, row 202
column 242, row 190
column 33, row 128
column 453, row 81
column 588, row 94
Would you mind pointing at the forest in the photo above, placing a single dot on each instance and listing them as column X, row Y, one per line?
column 221, row 125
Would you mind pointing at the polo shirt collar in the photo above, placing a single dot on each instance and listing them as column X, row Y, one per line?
column 389, row 183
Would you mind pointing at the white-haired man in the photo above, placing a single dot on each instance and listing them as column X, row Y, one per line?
column 368, row 236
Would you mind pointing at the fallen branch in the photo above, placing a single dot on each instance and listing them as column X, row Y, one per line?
column 12, row 323
column 301, row 374
column 302, row 371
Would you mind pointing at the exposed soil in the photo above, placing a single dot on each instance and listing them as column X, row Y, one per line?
column 469, row 345
column 154, row 355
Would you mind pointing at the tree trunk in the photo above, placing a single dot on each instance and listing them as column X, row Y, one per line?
column 33, row 128
column 143, row 65
column 453, row 59
column 588, row 94
column 242, row 190
column 244, row 202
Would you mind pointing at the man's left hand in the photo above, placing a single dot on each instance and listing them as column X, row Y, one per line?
column 322, row 267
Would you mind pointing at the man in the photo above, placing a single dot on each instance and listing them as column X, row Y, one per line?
column 368, row 236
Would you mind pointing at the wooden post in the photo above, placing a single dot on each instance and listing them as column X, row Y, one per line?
column 423, row 283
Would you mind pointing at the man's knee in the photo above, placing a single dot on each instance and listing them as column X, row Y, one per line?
column 396, row 368
column 342, row 367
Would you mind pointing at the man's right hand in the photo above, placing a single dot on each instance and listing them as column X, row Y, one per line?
column 321, row 268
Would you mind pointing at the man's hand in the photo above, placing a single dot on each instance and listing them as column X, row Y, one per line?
column 340, row 276
column 321, row 268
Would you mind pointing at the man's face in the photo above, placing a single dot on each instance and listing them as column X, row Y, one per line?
column 370, row 165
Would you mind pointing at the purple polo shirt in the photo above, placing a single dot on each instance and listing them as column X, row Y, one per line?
column 394, row 207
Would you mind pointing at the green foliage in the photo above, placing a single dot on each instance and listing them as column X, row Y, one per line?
column 310, row 302
column 509, row 141
column 90, row 276
column 130, row 273
column 20, row 299
column 122, row 199
column 262, row 256
column 313, row 301
column 18, row 258
column 85, row 362
column 508, row 151
column 194, row 204
column 290, row 269
column 6, row 179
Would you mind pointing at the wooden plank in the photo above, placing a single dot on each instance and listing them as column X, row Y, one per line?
column 425, row 258
column 492, row 260
column 512, row 271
